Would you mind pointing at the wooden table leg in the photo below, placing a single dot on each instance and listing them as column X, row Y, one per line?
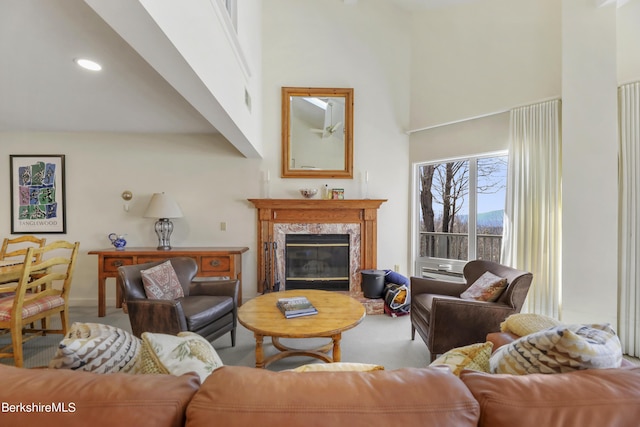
column 259, row 350
column 118, row 293
column 337, row 355
column 102, row 305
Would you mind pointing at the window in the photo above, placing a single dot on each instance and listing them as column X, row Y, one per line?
column 459, row 215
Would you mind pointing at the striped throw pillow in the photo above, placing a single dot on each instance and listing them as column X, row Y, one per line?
column 560, row 349
column 97, row 348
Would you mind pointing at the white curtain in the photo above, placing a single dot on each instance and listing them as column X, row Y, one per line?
column 533, row 213
column 629, row 238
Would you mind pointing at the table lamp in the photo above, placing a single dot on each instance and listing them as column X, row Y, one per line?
column 163, row 207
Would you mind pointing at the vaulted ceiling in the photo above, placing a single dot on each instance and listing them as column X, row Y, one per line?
column 42, row 89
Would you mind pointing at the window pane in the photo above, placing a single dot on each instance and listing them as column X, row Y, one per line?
column 444, row 210
column 491, row 195
column 460, row 213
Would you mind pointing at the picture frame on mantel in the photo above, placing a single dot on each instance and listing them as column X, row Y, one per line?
column 37, row 183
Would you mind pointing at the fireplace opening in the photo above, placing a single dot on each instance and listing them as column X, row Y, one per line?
column 317, row 261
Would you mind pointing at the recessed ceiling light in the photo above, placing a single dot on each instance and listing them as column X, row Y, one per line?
column 88, row 64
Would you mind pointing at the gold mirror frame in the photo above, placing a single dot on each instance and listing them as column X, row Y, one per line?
column 288, row 170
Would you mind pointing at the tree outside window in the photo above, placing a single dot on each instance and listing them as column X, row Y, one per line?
column 461, row 209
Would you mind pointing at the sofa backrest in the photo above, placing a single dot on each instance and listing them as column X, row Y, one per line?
column 241, row 396
column 588, row 398
column 62, row 397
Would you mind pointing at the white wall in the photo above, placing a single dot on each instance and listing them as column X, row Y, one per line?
column 199, row 31
column 589, row 163
column 194, row 47
column 471, row 137
column 209, row 178
column 478, row 58
column 628, row 24
column 317, row 43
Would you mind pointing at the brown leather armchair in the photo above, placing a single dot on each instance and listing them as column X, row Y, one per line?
column 445, row 321
column 208, row 308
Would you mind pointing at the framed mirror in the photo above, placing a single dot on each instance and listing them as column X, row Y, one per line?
column 317, row 132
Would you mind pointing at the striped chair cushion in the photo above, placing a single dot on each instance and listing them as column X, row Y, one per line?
column 31, row 308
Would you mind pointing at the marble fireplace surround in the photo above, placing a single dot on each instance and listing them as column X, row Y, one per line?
column 280, row 232
column 357, row 218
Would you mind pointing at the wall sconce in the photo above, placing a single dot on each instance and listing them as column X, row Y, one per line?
column 126, row 196
column 163, row 207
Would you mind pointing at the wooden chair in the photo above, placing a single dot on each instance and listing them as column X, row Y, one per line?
column 17, row 248
column 38, row 295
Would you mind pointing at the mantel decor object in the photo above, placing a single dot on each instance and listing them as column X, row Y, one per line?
column 308, row 193
column 163, row 207
column 337, row 194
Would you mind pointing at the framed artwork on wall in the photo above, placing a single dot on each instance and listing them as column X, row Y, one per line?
column 37, row 194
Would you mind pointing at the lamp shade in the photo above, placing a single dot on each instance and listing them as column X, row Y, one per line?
column 162, row 206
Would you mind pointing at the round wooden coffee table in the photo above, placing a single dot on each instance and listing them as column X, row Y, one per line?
column 336, row 313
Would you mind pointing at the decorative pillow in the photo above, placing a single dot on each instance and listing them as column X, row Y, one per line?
column 474, row 357
column 177, row 355
column 338, row 367
column 522, row 324
column 488, row 287
column 97, row 348
column 161, row 282
column 560, row 349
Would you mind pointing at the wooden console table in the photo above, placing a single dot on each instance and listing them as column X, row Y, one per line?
column 212, row 262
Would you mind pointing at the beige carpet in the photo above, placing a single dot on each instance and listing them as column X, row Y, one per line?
column 379, row 339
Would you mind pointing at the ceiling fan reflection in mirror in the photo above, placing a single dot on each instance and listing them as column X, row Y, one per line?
column 329, row 127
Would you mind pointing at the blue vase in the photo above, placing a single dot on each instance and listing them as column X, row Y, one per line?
column 118, row 242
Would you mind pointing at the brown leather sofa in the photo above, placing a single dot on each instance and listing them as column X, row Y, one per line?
column 241, row 396
column 445, row 321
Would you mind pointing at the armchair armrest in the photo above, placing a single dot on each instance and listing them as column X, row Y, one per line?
column 501, row 338
column 422, row 285
column 448, row 314
column 229, row 288
column 147, row 315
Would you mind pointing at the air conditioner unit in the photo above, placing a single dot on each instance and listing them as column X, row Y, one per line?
column 440, row 274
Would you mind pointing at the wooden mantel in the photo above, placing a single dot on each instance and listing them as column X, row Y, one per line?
column 317, row 211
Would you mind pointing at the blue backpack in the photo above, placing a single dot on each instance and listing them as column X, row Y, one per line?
column 397, row 298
